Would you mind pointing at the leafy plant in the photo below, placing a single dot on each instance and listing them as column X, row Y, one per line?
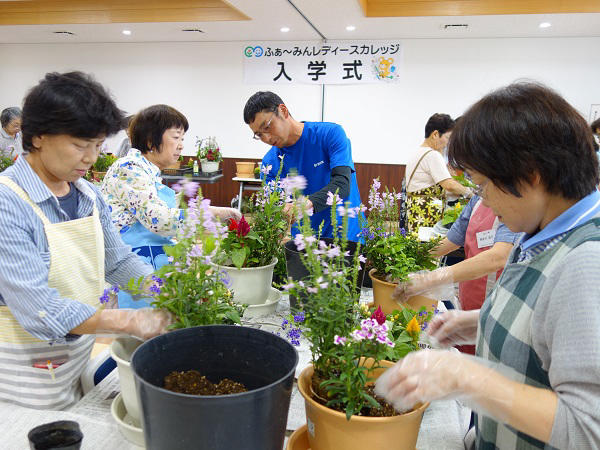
column 452, row 214
column 5, row 162
column 258, row 244
column 103, row 162
column 392, row 252
column 462, row 179
column 189, row 286
column 208, row 149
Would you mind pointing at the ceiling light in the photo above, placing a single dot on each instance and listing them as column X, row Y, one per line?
column 545, row 24
column 126, row 32
column 350, row 28
column 284, row 29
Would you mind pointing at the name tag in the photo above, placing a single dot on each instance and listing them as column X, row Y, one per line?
column 485, row 238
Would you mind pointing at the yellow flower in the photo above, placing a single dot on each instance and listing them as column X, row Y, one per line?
column 413, row 326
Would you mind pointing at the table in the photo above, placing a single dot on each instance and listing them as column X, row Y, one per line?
column 172, row 179
column 444, row 423
column 246, row 181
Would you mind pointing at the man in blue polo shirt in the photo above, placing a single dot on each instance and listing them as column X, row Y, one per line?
column 319, row 151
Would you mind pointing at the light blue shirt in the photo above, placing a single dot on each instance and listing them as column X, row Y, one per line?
column 578, row 214
column 25, row 257
column 457, row 234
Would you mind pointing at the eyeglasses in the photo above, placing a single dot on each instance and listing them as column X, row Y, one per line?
column 480, row 188
column 265, row 128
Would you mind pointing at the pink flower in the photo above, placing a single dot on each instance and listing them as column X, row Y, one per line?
column 339, row 340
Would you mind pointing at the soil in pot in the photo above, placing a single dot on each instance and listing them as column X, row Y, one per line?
column 319, row 394
column 194, row 383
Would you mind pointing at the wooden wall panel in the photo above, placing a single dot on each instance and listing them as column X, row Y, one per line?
column 412, row 8
column 221, row 193
column 38, row 12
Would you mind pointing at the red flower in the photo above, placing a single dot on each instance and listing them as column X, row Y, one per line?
column 242, row 227
column 233, row 225
column 378, row 315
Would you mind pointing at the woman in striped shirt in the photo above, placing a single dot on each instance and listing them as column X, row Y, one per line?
column 59, row 247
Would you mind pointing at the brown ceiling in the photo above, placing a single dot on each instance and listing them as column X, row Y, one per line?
column 409, row 8
column 36, row 12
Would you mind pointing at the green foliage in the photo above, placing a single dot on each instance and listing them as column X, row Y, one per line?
column 395, row 255
column 190, row 287
column 452, row 214
column 5, row 162
column 464, row 181
column 103, row 162
column 258, row 244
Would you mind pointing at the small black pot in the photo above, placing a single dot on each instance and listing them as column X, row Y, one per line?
column 297, row 271
column 63, row 435
column 253, row 420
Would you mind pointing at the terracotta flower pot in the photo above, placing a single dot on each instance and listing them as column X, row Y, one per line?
column 382, row 296
column 244, row 169
column 329, row 429
column 98, row 175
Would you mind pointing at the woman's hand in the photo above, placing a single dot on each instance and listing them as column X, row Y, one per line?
column 454, row 328
column 422, row 282
column 223, row 213
column 424, row 376
column 143, row 323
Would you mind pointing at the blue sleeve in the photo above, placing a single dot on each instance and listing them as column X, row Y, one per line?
column 270, row 159
column 503, row 234
column 458, row 232
column 338, row 148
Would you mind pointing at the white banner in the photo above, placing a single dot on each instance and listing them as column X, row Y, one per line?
column 336, row 62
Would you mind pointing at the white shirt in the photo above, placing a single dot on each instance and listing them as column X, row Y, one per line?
column 431, row 170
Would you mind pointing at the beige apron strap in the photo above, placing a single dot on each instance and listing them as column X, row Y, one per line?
column 23, row 196
column 417, row 165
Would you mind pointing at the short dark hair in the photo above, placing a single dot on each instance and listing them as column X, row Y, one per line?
column 595, row 126
column 70, row 103
column 440, row 122
column 9, row 114
column 527, row 128
column 148, row 126
column 261, row 101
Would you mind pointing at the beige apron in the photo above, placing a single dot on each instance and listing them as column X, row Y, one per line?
column 76, row 272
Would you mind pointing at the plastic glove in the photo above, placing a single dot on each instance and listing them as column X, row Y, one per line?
column 428, row 375
column 224, row 213
column 439, row 284
column 454, row 328
column 143, row 323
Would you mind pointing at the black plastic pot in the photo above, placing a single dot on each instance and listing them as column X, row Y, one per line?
column 64, row 435
column 297, row 271
column 253, row 420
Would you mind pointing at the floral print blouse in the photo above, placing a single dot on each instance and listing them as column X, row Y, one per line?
column 129, row 188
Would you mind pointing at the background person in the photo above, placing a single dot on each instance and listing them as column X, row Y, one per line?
column 62, row 247
column 535, row 382
column 319, row 151
column 428, row 178
column 10, row 136
column 487, row 243
column 144, row 210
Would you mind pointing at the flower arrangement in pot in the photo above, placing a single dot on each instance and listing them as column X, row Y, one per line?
column 100, row 167
column 209, row 154
column 393, row 255
column 248, row 253
column 350, row 347
column 196, row 370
